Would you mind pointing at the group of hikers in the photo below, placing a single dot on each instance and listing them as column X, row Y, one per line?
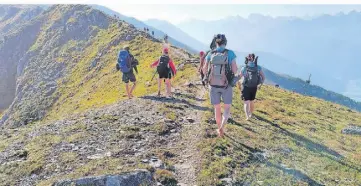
column 218, row 69
column 147, row 30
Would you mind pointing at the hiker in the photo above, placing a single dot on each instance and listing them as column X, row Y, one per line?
column 153, row 33
column 166, row 38
column 219, row 69
column 253, row 78
column 134, row 62
column 166, row 70
column 201, row 60
column 126, row 62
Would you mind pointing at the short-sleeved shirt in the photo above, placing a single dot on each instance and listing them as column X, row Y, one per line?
column 250, row 64
column 231, row 54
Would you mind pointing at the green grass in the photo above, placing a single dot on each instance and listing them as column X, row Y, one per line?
column 300, row 136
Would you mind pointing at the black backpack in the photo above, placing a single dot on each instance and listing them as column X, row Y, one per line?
column 163, row 65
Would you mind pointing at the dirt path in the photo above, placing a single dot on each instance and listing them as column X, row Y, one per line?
column 189, row 159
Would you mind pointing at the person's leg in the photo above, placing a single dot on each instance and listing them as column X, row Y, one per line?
column 132, row 89
column 125, row 79
column 227, row 97
column 251, row 108
column 134, row 80
column 168, row 88
column 159, row 85
column 127, row 90
column 215, row 96
column 218, row 116
column 251, row 104
column 246, row 108
column 226, row 115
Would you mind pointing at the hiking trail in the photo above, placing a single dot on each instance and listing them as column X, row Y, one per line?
column 189, row 160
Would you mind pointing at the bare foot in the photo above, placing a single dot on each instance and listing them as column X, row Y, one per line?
column 223, row 130
column 219, row 133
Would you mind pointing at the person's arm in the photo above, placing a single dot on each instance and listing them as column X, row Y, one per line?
column 205, row 64
column 234, row 66
column 201, row 64
column 172, row 66
column 154, row 64
column 262, row 76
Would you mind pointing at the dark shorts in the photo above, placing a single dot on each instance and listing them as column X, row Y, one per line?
column 165, row 75
column 249, row 94
column 129, row 77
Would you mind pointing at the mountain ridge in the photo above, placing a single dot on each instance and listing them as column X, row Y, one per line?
column 175, row 32
column 321, row 44
column 72, row 121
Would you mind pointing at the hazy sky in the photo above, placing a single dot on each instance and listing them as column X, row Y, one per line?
column 178, row 13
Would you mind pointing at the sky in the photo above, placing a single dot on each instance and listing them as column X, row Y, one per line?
column 181, row 12
column 176, row 11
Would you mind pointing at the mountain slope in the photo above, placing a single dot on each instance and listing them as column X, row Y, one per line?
column 323, row 44
column 86, row 128
column 140, row 25
column 300, row 86
column 13, row 16
column 177, row 33
column 273, row 63
column 70, row 48
column 295, row 140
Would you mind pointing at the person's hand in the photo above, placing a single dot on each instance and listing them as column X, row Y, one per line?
column 259, row 86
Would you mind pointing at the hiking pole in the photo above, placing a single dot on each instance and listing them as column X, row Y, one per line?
column 154, row 75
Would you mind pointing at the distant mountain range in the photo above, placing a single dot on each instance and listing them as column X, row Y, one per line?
column 158, row 33
column 176, row 33
column 325, row 46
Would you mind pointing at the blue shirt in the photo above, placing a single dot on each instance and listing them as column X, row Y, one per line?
column 231, row 55
column 250, row 64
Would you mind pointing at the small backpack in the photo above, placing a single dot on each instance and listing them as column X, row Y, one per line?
column 134, row 62
column 163, row 65
column 252, row 76
column 124, row 61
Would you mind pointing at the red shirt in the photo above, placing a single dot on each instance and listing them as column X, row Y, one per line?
column 171, row 65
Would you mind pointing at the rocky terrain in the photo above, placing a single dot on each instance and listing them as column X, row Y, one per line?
column 148, row 132
column 70, row 122
column 14, row 16
column 11, row 19
column 69, row 47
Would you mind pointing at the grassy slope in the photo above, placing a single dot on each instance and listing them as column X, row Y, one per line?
column 300, row 86
column 83, row 89
column 300, row 136
column 86, row 89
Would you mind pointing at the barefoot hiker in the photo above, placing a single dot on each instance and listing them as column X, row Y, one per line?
column 219, row 68
column 126, row 63
column 253, row 78
column 201, row 60
column 165, row 69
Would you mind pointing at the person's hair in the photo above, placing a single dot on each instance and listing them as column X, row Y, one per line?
column 221, row 39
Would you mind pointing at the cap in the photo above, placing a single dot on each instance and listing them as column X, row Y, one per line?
column 165, row 50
